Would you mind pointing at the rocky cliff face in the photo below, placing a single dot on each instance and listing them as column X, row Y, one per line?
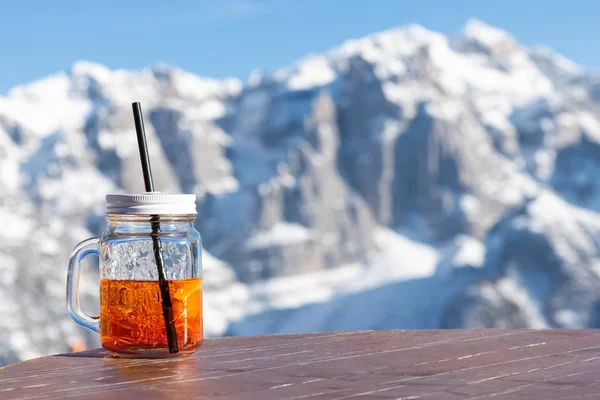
column 402, row 180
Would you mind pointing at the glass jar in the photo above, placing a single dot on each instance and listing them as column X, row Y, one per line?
column 150, row 276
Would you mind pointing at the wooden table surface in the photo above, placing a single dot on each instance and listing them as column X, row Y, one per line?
column 452, row 364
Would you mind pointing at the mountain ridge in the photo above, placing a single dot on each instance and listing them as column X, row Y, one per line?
column 403, row 172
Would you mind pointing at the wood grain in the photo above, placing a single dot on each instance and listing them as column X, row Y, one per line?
column 449, row 364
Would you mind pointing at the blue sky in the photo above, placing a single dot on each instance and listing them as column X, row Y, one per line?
column 222, row 38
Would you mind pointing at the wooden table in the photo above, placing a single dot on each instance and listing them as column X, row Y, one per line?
column 453, row 364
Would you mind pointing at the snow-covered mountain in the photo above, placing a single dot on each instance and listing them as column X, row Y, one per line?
column 402, row 180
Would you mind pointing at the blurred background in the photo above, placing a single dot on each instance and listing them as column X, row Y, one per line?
column 401, row 165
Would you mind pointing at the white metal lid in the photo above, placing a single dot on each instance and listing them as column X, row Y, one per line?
column 151, row 203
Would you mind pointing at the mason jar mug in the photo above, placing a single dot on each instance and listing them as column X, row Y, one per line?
column 150, row 276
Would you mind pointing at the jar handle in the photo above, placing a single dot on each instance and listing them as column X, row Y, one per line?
column 89, row 246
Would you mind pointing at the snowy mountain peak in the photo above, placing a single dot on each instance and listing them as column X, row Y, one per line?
column 554, row 65
column 396, row 42
column 564, row 63
column 486, row 35
column 91, row 69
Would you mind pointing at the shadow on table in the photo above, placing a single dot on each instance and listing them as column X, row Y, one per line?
column 95, row 353
column 104, row 370
column 101, row 353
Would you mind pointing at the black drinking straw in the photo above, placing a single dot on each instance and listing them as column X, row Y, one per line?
column 167, row 306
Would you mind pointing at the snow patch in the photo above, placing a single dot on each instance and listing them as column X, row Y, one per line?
column 483, row 33
column 87, row 68
column 17, row 227
column 510, row 288
column 562, row 63
column 471, row 252
column 46, row 106
column 280, row 234
column 311, row 72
